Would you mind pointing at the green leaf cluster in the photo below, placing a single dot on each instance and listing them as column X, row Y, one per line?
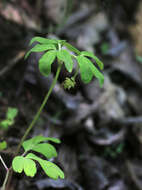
column 53, row 49
column 10, row 118
column 27, row 163
column 69, row 83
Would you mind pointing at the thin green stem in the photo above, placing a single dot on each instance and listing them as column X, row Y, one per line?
column 74, row 56
column 5, row 180
column 76, row 72
column 40, row 109
column 77, row 69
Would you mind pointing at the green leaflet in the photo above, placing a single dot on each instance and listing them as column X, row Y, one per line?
column 29, row 167
column 21, row 163
column 55, row 140
column 26, row 164
column 85, row 71
column 72, row 48
column 90, row 54
column 45, row 62
column 46, row 41
column 5, row 124
column 18, row 164
column 29, row 144
column 51, row 169
column 97, row 74
column 3, row 145
column 46, row 149
column 43, row 40
column 65, row 56
column 11, row 113
column 40, row 48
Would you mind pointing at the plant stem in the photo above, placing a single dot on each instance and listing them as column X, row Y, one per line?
column 7, row 173
column 1, row 159
column 5, row 180
column 40, row 109
column 36, row 117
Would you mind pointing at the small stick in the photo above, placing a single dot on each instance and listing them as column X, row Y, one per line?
column 133, row 175
column 3, row 163
column 12, row 63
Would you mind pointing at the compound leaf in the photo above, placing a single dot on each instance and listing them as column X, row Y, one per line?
column 45, row 62
column 43, row 40
column 85, row 71
column 46, row 149
column 72, row 48
column 29, row 144
column 65, row 56
column 51, row 169
column 90, row 54
column 29, row 167
column 18, row 164
column 40, row 48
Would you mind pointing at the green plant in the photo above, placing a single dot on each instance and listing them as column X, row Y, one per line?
column 26, row 163
column 10, row 118
column 3, row 145
column 114, row 150
column 65, row 54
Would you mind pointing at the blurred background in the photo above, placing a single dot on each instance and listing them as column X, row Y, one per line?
column 100, row 128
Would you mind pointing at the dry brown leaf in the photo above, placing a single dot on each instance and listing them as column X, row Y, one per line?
column 17, row 15
column 136, row 31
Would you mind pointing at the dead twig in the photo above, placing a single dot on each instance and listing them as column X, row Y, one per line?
column 12, row 63
column 133, row 175
column 128, row 120
column 75, row 18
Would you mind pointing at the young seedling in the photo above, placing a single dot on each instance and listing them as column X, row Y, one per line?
column 65, row 54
